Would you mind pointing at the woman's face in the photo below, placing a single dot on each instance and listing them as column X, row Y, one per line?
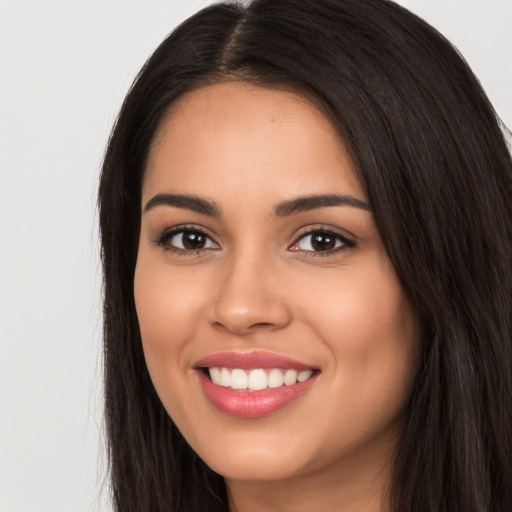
column 260, row 265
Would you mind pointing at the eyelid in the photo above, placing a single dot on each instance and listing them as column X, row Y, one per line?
column 347, row 242
column 165, row 235
column 341, row 235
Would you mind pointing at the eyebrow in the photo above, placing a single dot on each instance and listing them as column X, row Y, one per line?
column 193, row 203
column 284, row 209
column 306, row 203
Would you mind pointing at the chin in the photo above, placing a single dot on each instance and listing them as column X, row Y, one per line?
column 258, row 469
column 270, row 457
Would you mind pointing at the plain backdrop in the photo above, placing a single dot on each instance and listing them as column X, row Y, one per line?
column 65, row 67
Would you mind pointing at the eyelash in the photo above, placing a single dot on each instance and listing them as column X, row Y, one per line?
column 164, row 239
column 346, row 243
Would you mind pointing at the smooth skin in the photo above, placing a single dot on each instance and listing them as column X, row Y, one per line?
column 242, row 276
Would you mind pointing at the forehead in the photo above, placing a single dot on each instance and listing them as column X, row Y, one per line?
column 227, row 101
column 248, row 136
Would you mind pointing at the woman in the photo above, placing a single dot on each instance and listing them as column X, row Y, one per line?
column 306, row 233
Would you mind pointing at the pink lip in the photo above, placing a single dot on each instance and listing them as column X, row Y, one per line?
column 251, row 404
column 250, row 360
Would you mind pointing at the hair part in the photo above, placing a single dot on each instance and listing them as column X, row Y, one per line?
column 430, row 154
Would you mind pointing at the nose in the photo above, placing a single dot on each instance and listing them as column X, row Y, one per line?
column 250, row 298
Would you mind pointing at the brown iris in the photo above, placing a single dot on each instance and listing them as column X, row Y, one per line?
column 323, row 241
column 193, row 240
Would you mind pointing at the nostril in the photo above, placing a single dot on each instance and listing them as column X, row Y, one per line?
column 260, row 325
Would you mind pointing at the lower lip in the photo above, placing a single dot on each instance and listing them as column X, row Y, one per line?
column 251, row 404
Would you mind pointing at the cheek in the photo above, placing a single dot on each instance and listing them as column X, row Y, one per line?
column 166, row 306
column 370, row 329
column 168, row 313
column 365, row 310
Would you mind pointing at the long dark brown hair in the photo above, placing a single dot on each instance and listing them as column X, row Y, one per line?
column 432, row 157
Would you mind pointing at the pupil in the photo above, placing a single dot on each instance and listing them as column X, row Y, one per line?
column 193, row 240
column 323, row 242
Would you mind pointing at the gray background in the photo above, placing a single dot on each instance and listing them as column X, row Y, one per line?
column 64, row 69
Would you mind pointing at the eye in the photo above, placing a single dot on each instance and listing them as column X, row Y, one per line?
column 183, row 240
column 321, row 240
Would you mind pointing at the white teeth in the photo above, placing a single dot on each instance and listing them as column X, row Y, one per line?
column 290, row 377
column 275, row 378
column 215, row 375
column 225, row 378
column 257, row 379
column 304, row 375
column 238, row 379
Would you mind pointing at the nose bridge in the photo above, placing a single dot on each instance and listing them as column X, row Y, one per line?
column 248, row 299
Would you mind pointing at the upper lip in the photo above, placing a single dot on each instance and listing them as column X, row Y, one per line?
column 250, row 360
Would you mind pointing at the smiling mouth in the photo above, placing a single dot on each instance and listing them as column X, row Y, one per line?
column 253, row 385
column 257, row 379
